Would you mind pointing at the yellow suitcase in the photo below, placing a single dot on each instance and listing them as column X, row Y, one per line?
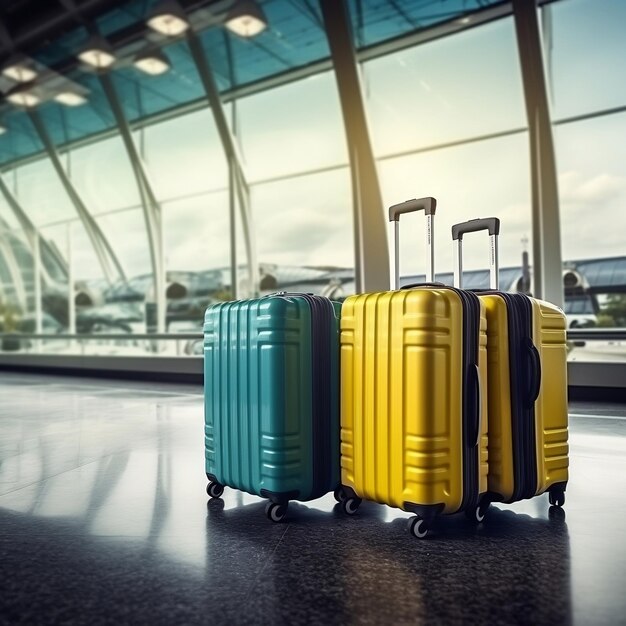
column 413, row 390
column 527, row 414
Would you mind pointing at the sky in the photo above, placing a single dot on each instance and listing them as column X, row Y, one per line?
column 450, row 89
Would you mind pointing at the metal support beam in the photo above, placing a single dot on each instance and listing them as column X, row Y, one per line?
column 6, row 250
column 111, row 267
column 547, row 260
column 235, row 162
column 152, row 211
column 30, row 230
column 232, row 180
column 370, row 228
column 71, row 297
column 37, row 288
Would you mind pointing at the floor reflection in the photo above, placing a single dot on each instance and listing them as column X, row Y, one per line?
column 102, row 508
column 513, row 569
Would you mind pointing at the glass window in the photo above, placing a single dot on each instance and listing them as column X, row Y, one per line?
column 6, row 213
column 587, row 56
column 374, row 21
column 85, row 260
column 197, row 233
column 305, row 221
column 481, row 179
column 185, row 156
column 102, row 174
column 127, row 234
column 591, row 160
column 41, row 194
column 456, row 87
column 292, row 128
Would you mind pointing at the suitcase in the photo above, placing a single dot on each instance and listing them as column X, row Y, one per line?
column 527, row 414
column 272, row 399
column 413, row 389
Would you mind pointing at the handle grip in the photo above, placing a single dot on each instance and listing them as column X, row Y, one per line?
column 428, row 205
column 478, row 410
column 492, row 224
column 435, row 285
column 534, row 384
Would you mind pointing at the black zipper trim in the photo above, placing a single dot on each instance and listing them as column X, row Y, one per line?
column 471, row 410
column 523, row 430
column 321, row 311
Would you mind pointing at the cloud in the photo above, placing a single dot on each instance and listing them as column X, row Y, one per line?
column 588, row 205
column 575, row 189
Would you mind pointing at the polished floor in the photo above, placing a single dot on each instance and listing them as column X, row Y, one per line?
column 104, row 519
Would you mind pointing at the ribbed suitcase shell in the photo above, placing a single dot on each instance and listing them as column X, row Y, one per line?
column 550, row 408
column 260, row 430
column 402, row 398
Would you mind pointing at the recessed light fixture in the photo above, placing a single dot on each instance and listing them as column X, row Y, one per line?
column 3, row 129
column 168, row 18
column 20, row 69
column 464, row 20
column 23, row 95
column 70, row 98
column 246, row 18
column 153, row 62
column 97, row 52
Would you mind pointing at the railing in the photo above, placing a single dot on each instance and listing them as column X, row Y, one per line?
column 96, row 336
column 189, row 344
column 597, row 356
column 590, row 334
column 597, row 334
column 77, row 342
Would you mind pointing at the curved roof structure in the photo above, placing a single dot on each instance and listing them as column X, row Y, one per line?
column 294, row 42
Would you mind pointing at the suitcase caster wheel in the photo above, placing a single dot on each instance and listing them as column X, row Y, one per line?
column 557, row 498
column 214, row 490
column 477, row 514
column 418, row 527
column 350, row 505
column 275, row 512
column 556, row 514
column 339, row 494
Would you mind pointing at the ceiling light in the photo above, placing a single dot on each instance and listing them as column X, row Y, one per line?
column 3, row 129
column 168, row 18
column 98, row 53
column 464, row 20
column 152, row 62
column 20, row 69
column 246, row 18
column 22, row 95
column 70, row 98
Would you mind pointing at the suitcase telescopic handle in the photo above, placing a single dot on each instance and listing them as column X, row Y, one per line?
column 490, row 224
column 428, row 205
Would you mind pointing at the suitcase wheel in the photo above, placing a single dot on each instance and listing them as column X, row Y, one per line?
column 214, row 490
column 339, row 494
column 418, row 527
column 350, row 505
column 275, row 512
column 477, row 513
column 557, row 497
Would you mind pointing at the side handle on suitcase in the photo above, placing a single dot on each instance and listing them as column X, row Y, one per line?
column 534, row 384
column 428, row 205
column 491, row 224
column 477, row 425
column 473, row 406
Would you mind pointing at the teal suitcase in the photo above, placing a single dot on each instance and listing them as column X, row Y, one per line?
column 271, row 392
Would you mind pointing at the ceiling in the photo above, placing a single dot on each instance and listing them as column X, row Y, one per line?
column 294, row 39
